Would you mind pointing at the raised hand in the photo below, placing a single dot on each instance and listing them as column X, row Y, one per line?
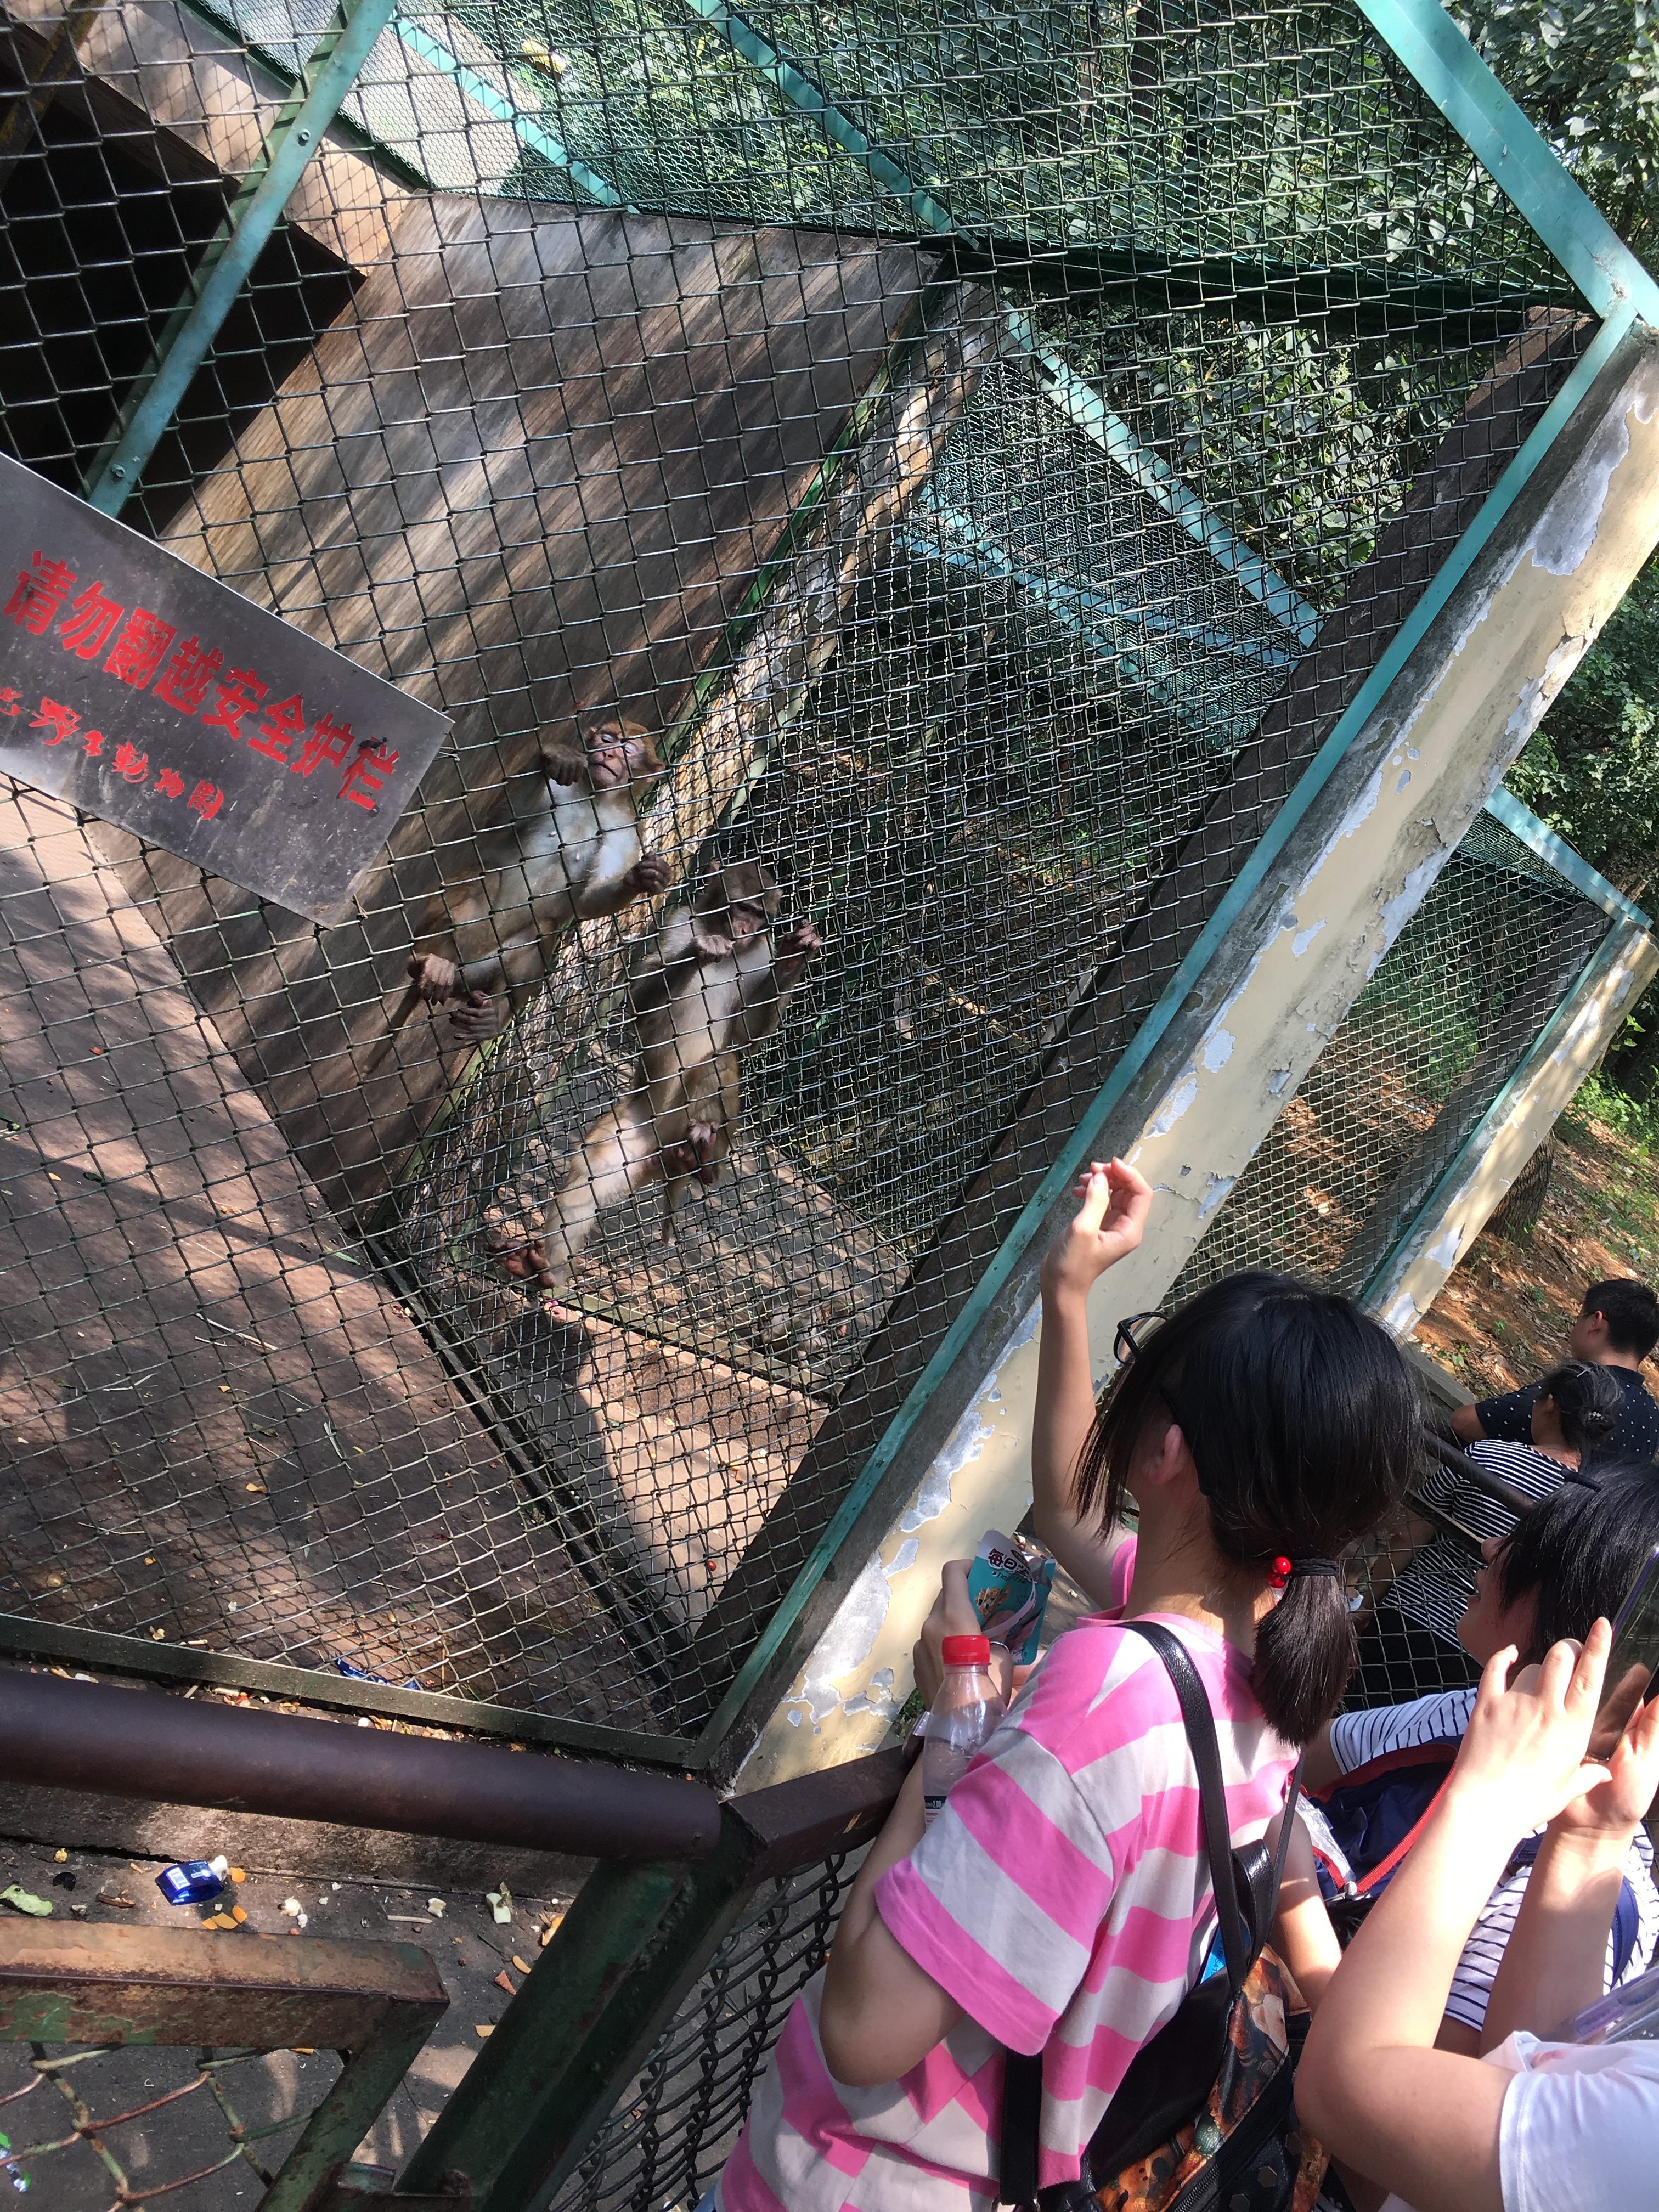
column 1620, row 1804
column 1110, row 1224
column 1522, row 1758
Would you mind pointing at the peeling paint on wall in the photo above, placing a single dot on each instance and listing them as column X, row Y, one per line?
column 1564, row 538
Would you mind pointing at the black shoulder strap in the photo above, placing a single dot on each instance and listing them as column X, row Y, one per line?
column 1229, row 1873
column 1212, row 1792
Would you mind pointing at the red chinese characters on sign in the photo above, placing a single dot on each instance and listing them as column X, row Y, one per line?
column 184, row 682
column 88, row 630
column 365, row 774
column 279, row 729
column 139, row 648
column 39, row 593
column 142, row 654
column 62, row 722
column 240, row 693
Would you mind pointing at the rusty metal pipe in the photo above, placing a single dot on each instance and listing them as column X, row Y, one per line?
column 140, row 1743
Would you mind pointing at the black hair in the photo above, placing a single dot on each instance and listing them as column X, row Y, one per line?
column 1630, row 1311
column 1588, row 1399
column 1303, row 1423
column 1579, row 1549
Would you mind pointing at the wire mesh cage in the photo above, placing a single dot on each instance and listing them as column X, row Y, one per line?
column 962, row 466
column 86, row 2129
column 674, row 2126
column 1421, row 1053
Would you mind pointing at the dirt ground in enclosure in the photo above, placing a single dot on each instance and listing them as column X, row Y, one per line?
column 1505, row 1311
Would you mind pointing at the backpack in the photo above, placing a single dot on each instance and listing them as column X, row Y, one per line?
column 1203, row 2118
column 1364, row 1826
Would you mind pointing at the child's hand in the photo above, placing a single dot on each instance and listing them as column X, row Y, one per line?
column 953, row 1614
column 1522, row 1758
column 1116, row 1202
column 1620, row 1804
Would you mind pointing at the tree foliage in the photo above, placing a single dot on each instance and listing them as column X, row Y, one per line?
column 1592, row 768
column 1587, row 73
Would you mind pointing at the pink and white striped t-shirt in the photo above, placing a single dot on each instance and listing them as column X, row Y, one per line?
column 1061, row 1899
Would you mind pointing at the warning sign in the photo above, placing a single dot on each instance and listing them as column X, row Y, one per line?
column 154, row 696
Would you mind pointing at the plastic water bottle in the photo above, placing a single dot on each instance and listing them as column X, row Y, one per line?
column 967, row 1707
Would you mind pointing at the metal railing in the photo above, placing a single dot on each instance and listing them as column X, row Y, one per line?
column 83, row 1997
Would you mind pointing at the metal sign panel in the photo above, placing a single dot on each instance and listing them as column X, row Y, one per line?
column 154, row 696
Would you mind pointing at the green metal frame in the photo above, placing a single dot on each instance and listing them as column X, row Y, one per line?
column 228, row 262
column 1625, row 929
column 1521, row 822
column 1076, row 400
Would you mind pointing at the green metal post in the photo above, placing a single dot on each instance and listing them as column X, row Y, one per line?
column 1538, row 837
column 226, row 265
column 628, row 1950
column 1426, row 39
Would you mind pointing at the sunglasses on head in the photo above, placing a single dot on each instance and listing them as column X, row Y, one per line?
column 1133, row 1333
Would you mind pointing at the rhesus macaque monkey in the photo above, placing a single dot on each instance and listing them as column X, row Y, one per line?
column 569, row 850
column 713, row 982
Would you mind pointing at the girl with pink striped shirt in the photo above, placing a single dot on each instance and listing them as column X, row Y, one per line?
column 1060, row 1903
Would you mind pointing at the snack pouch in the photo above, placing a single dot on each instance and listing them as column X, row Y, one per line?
column 1009, row 1588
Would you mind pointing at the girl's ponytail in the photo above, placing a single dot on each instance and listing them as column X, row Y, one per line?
column 1303, row 1424
column 1588, row 1402
column 1305, row 1650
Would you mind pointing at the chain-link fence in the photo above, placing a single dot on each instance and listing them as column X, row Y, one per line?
column 980, row 457
column 90, row 2131
column 675, row 2125
column 1421, row 1053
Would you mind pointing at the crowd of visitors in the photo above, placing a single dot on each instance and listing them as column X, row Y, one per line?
column 1032, row 1997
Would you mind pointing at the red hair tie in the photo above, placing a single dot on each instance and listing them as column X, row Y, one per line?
column 1278, row 1570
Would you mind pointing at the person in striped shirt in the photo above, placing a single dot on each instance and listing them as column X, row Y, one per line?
column 1413, row 1640
column 1059, row 1903
column 1566, row 1563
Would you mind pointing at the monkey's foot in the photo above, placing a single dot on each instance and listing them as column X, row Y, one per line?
column 435, row 978
column 524, row 1258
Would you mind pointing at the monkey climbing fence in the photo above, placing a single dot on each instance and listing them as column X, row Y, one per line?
column 984, row 453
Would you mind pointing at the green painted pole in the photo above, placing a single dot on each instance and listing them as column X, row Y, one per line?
column 1515, row 155
column 1538, row 837
column 597, row 1998
column 228, row 260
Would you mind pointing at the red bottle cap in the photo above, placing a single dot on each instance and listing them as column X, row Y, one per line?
column 966, row 1650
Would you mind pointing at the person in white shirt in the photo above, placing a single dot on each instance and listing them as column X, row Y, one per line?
column 1534, row 2125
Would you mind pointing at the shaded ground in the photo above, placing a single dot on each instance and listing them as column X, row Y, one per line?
column 219, row 1427
column 1505, row 1313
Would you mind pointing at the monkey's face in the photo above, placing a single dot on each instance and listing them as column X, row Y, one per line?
column 617, row 754
column 746, row 922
